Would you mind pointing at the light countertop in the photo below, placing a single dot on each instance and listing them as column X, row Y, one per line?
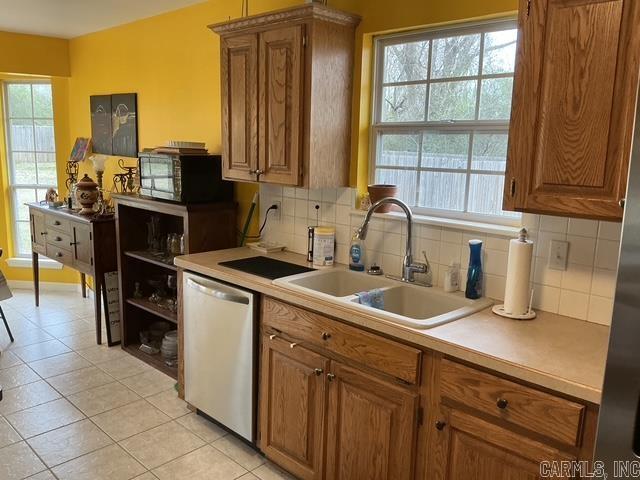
column 556, row 352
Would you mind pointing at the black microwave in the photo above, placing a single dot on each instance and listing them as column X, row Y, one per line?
column 183, row 178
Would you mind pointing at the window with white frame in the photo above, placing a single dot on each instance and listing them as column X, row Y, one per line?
column 31, row 152
column 442, row 102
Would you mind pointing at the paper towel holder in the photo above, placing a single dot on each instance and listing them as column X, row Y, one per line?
column 530, row 314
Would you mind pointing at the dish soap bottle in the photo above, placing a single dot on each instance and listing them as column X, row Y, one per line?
column 356, row 254
column 474, row 274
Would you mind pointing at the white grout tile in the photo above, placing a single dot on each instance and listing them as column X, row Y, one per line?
column 495, row 262
column 449, row 252
column 451, row 236
column 301, row 209
column 553, row 224
column 600, row 310
column 302, row 193
column 610, row 230
column 574, row 304
column 315, row 195
column 546, row 298
column 544, row 275
column 607, row 254
column 577, row 278
column 603, row 283
column 582, row 227
column 581, row 250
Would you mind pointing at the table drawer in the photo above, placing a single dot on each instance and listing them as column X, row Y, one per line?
column 58, row 223
column 526, row 407
column 59, row 240
column 59, row 254
column 376, row 352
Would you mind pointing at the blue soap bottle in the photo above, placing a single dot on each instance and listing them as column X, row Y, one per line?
column 474, row 274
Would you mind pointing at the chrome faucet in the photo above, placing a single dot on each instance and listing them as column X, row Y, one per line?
column 408, row 266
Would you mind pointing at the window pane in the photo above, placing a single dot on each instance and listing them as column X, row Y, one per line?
column 42, row 106
column 406, row 62
column 455, row 56
column 442, row 190
column 489, row 151
column 19, row 98
column 23, row 237
column 404, row 104
column 46, row 168
column 499, row 51
column 445, row 150
column 495, row 98
column 22, row 196
column 21, row 135
column 399, row 150
column 485, row 195
column 44, row 136
column 24, row 168
column 404, row 179
column 452, row 100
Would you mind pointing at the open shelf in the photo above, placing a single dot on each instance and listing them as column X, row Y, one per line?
column 155, row 361
column 149, row 257
column 147, row 306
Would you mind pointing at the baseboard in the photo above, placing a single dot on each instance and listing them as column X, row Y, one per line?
column 47, row 286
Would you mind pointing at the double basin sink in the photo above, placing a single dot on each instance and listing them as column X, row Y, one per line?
column 404, row 304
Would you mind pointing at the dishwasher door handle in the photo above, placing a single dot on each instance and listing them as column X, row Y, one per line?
column 219, row 294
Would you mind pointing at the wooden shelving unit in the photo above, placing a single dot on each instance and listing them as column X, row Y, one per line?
column 147, row 306
column 204, row 226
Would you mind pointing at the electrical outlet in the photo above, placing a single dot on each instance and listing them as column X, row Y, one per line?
column 558, row 253
column 276, row 212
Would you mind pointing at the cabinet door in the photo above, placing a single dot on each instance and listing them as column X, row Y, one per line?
column 467, row 448
column 371, row 427
column 38, row 231
column 82, row 247
column 280, row 92
column 574, row 100
column 292, row 406
column 239, row 64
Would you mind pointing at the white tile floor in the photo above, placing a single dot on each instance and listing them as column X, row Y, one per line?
column 74, row 410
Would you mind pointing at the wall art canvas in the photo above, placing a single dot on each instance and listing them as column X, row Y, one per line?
column 101, row 123
column 124, row 124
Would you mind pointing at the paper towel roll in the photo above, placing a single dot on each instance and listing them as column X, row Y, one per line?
column 516, row 295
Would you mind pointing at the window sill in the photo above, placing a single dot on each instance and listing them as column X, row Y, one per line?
column 453, row 223
column 43, row 263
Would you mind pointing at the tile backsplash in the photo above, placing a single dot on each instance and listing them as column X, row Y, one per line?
column 584, row 290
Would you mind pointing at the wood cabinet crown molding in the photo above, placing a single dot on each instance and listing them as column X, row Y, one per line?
column 296, row 13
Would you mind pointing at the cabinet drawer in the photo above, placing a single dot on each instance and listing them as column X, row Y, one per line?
column 59, row 254
column 59, row 240
column 58, row 223
column 526, row 407
column 376, row 352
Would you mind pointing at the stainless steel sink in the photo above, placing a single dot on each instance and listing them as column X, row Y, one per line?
column 404, row 304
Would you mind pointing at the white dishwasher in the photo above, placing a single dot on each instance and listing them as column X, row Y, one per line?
column 220, row 346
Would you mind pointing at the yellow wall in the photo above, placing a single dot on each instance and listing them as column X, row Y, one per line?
column 172, row 62
column 24, row 56
column 33, row 55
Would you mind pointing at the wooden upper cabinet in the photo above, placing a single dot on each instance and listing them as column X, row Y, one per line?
column 573, row 113
column 280, row 93
column 371, row 427
column 286, row 96
column 239, row 106
column 292, row 404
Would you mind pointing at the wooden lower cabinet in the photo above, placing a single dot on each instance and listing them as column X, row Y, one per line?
column 292, row 406
column 465, row 447
column 371, row 427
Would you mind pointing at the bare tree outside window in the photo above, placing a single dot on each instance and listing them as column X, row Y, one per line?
column 441, row 118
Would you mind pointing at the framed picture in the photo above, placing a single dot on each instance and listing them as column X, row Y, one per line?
column 101, row 123
column 124, row 124
column 81, row 148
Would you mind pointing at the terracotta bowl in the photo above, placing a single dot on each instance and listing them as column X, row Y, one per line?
column 380, row 191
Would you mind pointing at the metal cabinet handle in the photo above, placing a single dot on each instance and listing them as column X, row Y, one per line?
column 273, row 336
column 621, row 202
column 71, row 244
column 293, row 345
column 502, row 403
column 318, row 371
column 43, row 233
column 59, row 254
column 326, row 335
column 440, row 425
column 58, row 239
column 331, row 376
column 56, row 222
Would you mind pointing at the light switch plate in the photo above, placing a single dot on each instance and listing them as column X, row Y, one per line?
column 558, row 255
